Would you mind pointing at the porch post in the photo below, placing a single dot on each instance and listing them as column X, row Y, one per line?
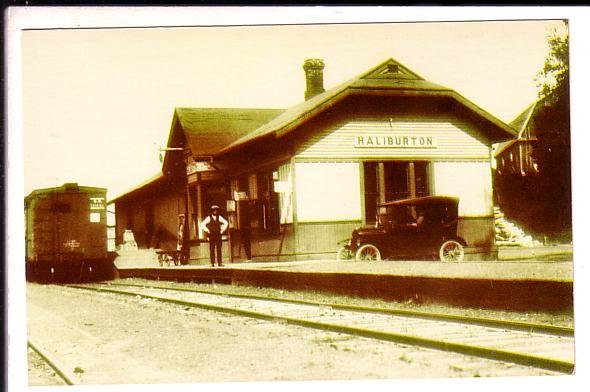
column 381, row 181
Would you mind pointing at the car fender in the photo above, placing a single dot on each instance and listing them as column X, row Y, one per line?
column 345, row 242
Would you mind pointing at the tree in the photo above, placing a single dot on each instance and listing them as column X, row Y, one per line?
column 541, row 202
column 554, row 76
column 552, row 128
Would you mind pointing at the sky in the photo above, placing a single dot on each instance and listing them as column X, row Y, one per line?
column 98, row 103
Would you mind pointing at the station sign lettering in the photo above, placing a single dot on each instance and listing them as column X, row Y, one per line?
column 198, row 167
column 397, row 141
column 97, row 203
column 71, row 244
column 240, row 195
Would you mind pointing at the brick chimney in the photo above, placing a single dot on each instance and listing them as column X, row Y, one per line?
column 314, row 77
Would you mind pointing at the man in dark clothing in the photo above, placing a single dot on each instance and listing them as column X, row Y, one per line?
column 214, row 225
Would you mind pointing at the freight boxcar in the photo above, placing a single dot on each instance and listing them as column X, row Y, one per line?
column 66, row 234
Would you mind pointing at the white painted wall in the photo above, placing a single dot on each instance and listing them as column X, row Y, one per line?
column 471, row 181
column 327, row 191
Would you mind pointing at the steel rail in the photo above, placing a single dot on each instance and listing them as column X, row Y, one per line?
column 482, row 321
column 472, row 350
column 49, row 362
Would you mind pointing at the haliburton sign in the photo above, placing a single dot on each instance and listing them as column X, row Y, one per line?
column 401, row 141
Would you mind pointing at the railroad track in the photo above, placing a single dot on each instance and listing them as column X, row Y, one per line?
column 536, row 345
column 59, row 373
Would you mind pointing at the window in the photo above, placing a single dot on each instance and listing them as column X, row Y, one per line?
column 421, row 179
column 95, row 217
column 397, row 181
column 393, row 180
column 268, row 203
column 264, row 202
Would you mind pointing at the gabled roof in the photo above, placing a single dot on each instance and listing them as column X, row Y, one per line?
column 519, row 123
column 389, row 77
column 219, row 126
column 208, row 130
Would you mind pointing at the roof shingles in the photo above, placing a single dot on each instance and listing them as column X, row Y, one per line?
column 208, row 130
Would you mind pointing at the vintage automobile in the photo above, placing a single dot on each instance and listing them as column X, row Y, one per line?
column 416, row 228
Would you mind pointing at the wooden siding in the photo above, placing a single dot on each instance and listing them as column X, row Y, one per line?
column 322, row 240
column 52, row 232
column 199, row 253
column 452, row 139
column 163, row 234
column 478, row 232
column 324, row 237
column 276, row 247
column 139, row 227
column 265, row 247
column 167, row 207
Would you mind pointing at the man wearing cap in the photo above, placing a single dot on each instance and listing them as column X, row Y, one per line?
column 214, row 225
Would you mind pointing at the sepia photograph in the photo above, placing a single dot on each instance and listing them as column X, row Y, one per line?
column 204, row 196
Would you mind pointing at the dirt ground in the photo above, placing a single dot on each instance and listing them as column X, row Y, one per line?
column 40, row 373
column 105, row 339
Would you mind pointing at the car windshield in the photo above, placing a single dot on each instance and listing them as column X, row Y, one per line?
column 397, row 215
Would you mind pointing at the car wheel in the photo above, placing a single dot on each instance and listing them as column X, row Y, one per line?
column 344, row 254
column 368, row 252
column 451, row 251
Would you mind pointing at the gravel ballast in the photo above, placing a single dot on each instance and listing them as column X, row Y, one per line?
column 102, row 338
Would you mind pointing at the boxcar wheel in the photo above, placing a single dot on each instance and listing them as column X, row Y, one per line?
column 344, row 254
column 368, row 252
column 451, row 251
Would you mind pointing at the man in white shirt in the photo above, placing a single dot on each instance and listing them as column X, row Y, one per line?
column 214, row 225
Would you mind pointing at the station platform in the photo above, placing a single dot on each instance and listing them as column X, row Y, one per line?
column 514, row 270
column 543, row 281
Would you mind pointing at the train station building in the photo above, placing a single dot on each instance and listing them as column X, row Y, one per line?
column 307, row 176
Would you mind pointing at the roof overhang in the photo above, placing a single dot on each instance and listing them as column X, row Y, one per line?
column 152, row 181
column 498, row 130
column 376, row 81
column 512, row 142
